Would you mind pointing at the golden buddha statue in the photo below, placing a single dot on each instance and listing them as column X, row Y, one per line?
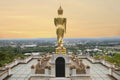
column 60, row 24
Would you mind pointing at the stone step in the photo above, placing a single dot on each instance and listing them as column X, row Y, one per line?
column 60, row 78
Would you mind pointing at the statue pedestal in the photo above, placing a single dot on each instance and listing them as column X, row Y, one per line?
column 60, row 50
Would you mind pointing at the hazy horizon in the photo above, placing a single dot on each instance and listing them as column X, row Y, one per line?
column 35, row 18
column 64, row 38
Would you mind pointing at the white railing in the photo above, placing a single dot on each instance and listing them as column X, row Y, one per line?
column 107, row 64
column 92, row 59
column 116, row 75
column 82, row 57
column 6, row 73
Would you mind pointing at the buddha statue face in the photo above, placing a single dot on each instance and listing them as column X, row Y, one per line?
column 60, row 11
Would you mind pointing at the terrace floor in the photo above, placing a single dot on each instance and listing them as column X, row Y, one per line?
column 98, row 71
column 22, row 71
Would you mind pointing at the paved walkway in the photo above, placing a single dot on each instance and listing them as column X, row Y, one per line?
column 22, row 71
column 98, row 71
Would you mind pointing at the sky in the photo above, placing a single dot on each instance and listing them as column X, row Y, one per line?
column 35, row 18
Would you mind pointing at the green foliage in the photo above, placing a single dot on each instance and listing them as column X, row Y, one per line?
column 116, row 59
column 72, row 49
column 38, row 49
column 113, row 59
column 8, row 54
column 97, row 57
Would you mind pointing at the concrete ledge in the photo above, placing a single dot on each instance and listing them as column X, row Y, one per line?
column 81, row 78
column 81, row 75
column 93, row 60
column 38, row 77
column 115, row 74
column 5, row 72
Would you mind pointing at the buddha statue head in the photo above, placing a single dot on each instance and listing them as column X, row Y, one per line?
column 60, row 11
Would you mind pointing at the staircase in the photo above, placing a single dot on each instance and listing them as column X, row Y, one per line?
column 59, row 78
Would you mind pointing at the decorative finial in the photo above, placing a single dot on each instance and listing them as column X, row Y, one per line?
column 60, row 11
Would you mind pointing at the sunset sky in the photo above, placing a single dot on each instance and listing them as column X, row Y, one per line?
column 35, row 18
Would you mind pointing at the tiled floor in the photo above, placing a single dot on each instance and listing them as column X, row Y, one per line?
column 98, row 71
column 22, row 71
